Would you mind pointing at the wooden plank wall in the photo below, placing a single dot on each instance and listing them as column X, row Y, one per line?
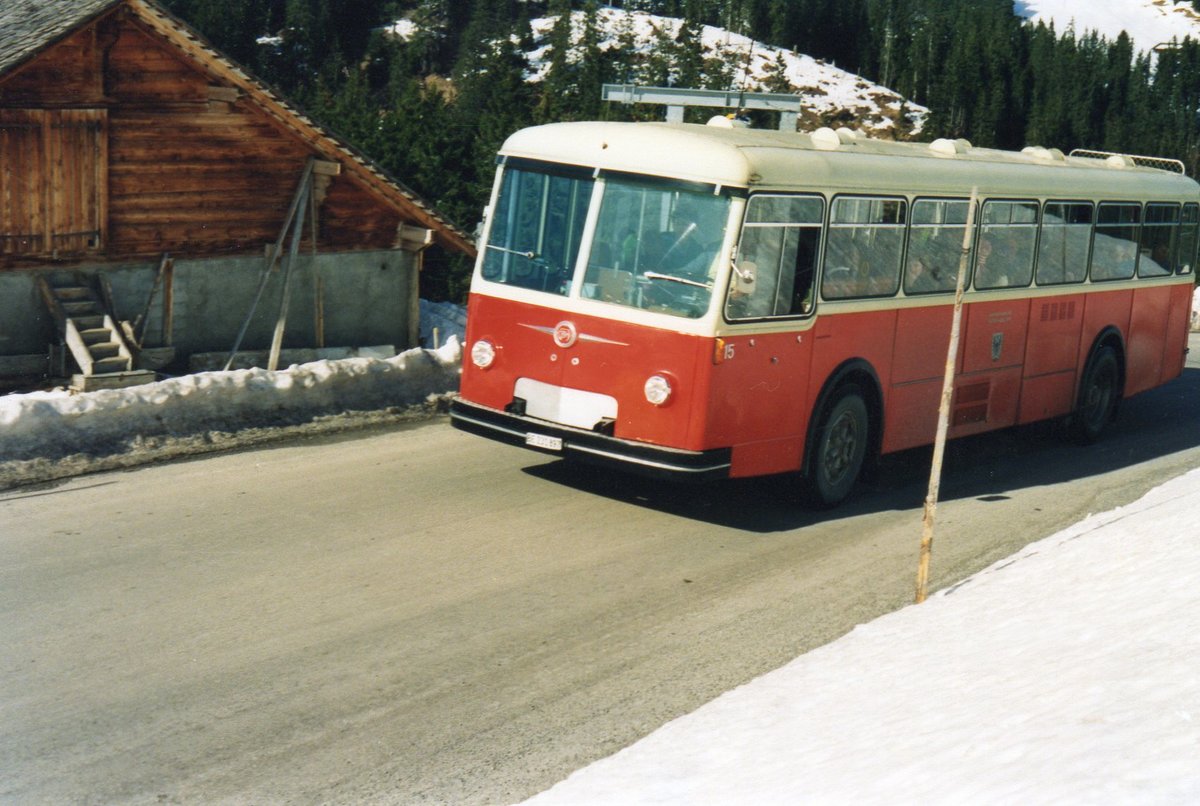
column 183, row 165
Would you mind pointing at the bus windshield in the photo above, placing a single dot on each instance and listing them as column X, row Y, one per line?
column 656, row 245
column 537, row 226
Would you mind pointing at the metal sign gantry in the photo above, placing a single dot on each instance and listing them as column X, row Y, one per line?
column 677, row 99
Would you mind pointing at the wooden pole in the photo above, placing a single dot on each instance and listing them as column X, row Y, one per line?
column 272, row 257
column 168, row 305
column 939, row 443
column 139, row 324
column 285, row 296
column 319, row 309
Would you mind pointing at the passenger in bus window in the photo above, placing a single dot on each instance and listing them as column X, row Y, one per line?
column 988, row 272
column 920, row 279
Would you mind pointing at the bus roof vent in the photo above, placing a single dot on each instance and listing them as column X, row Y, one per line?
column 1131, row 160
column 828, row 139
column 950, row 148
column 1044, row 154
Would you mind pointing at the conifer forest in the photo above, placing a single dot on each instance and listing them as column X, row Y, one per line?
column 432, row 106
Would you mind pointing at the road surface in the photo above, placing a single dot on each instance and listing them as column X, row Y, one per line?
column 416, row 615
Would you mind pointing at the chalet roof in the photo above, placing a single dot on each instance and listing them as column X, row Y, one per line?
column 28, row 27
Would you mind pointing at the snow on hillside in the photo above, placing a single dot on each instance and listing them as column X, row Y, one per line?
column 1147, row 22
column 754, row 67
column 828, row 94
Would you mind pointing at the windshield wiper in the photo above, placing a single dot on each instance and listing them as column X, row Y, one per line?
column 653, row 275
column 530, row 255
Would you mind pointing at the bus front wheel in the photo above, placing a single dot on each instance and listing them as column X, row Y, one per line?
column 839, row 449
column 1098, row 394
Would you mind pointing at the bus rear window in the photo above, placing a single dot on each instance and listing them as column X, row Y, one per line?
column 537, row 225
column 1188, row 238
column 1158, row 242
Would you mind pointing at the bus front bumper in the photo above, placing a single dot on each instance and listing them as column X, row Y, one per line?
column 588, row 446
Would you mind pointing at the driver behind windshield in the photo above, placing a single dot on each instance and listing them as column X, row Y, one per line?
column 690, row 247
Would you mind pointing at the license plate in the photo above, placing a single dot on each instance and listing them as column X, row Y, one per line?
column 545, row 442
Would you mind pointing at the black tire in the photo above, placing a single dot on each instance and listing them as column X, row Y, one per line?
column 1099, row 391
column 839, row 448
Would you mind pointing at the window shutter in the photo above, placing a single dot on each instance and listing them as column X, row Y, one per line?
column 22, row 198
column 53, row 189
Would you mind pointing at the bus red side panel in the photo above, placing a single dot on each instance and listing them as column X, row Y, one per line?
column 759, row 401
column 1175, row 345
column 1147, row 336
column 839, row 337
column 1051, row 354
column 917, row 367
column 987, row 392
column 1102, row 309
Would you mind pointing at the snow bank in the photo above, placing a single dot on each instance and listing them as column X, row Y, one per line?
column 44, row 425
column 1065, row 673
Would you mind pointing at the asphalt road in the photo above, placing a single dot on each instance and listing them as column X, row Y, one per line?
column 417, row 615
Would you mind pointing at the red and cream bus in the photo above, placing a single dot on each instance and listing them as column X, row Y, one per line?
column 712, row 301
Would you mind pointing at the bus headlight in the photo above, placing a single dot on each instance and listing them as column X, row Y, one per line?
column 483, row 354
column 658, row 390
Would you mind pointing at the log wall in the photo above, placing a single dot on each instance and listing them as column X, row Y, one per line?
column 182, row 164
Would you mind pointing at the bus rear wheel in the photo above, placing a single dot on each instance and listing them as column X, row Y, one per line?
column 839, row 448
column 1098, row 394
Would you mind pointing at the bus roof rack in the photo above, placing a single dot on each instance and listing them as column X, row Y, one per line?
column 1123, row 160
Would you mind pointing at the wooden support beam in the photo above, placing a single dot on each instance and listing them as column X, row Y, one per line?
column 227, row 95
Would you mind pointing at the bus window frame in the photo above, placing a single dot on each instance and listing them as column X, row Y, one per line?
column 1096, row 226
column 902, row 226
column 745, row 224
column 966, row 200
column 1173, row 243
column 978, row 235
column 1087, row 259
column 1188, row 261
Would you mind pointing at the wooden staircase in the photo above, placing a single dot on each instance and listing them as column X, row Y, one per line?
column 91, row 334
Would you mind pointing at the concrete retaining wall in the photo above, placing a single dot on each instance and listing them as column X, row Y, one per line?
column 369, row 298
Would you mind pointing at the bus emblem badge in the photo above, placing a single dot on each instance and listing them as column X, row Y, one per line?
column 565, row 334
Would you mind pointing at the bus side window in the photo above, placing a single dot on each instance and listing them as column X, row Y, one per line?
column 776, row 260
column 1160, row 232
column 934, row 243
column 1114, row 249
column 1066, row 236
column 866, row 240
column 1188, row 231
column 1004, row 254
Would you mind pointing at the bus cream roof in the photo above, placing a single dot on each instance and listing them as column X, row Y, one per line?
column 839, row 161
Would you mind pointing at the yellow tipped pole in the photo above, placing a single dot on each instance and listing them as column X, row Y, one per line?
column 939, row 442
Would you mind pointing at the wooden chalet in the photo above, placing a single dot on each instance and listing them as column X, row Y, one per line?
column 151, row 192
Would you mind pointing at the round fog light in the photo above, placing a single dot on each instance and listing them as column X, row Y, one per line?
column 483, row 354
column 657, row 389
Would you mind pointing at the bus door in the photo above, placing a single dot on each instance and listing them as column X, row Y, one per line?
column 923, row 330
column 988, row 391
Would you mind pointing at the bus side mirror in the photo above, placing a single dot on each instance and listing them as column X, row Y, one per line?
column 744, row 277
